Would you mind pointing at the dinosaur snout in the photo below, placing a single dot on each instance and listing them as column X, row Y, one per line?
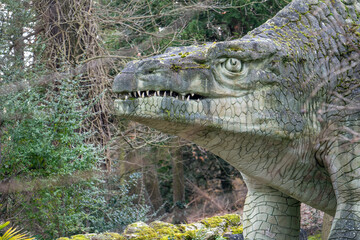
column 126, row 81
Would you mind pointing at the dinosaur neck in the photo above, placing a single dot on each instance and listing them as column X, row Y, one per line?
column 273, row 161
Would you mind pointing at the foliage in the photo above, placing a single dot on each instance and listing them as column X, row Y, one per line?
column 13, row 234
column 44, row 143
column 82, row 207
column 149, row 27
column 47, row 139
column 230, row 20
column 315, row 237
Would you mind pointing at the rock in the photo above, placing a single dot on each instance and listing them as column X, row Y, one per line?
column 164, row 227
column 93, row 236
column 234, row 236
column 139, row 231
column 206, row 229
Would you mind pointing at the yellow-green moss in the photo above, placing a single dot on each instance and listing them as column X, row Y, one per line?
column 163, row 228
column 164, row 231
column 116, row 236
column 237, row 229
column 110, row 236
column 89, row 236
column 193, row 226
column 232, row 219
column 79, row 237
column 140, row 231
column 175, row 68
column 195, row 234
column 315, row 237
column 214, row 222
column 175, row 236
column 182, row 55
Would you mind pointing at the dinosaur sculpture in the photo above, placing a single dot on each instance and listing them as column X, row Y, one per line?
column 280, row 104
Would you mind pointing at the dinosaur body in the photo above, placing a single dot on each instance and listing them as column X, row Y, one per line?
column 277, row 104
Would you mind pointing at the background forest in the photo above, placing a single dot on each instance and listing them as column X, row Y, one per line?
column 67, row 165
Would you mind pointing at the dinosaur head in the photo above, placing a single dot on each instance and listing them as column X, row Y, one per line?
column 234, row 86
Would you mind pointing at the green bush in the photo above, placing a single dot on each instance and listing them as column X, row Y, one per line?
column 61, row 190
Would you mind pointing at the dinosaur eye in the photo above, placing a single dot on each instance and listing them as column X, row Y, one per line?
column 233, row 65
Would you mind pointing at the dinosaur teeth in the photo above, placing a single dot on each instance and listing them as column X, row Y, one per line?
column 160, row 93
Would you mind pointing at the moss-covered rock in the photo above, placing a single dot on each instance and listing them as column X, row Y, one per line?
column 108, row 236
column 93, row 236
column 233, row 219
column 191, row 226
column 164, row 228
column 140, row 231
column 237, row 230
column 80, row 237
column 207, row 229
column 215, row 222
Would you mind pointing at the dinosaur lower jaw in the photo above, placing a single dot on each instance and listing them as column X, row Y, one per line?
column 172, row 115
column 170, row 108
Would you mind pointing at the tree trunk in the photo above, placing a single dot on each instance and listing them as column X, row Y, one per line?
column 178, row 187
column 71, row 30
column 18, row 39
column 153, row 189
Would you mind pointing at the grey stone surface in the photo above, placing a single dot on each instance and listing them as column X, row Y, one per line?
column 280, row 104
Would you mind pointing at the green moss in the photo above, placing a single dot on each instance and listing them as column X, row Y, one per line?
column 182, row 55
column 79, row 237
column 140, row 231
column 175, row 68
column 110, row 236
column 237, row 229
column 195, row 234
column 176, row 236
column 214, row 222
column 200, row 66
column 233, row 219
column 166, row 231
column 103, row 236
column 163, row 228
column 236, row 49
column 315, row 237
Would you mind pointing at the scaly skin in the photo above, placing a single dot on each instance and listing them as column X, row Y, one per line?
column 265, row 103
